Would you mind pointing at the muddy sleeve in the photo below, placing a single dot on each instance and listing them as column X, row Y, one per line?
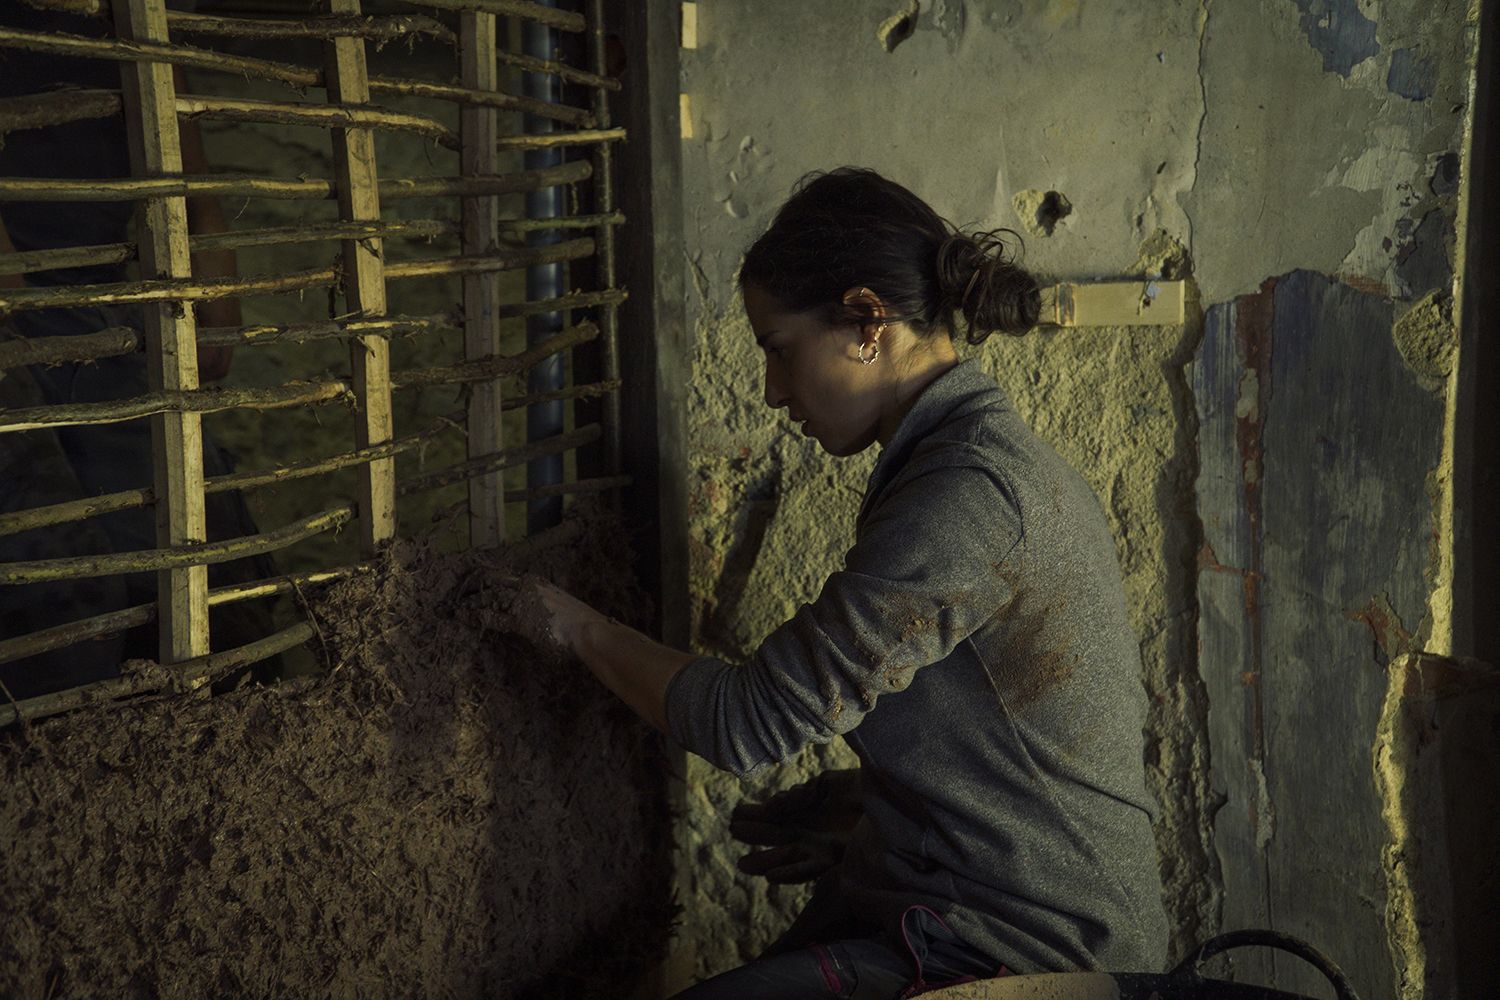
column 927, row 571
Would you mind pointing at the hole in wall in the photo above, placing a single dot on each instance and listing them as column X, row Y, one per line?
column 899, row 27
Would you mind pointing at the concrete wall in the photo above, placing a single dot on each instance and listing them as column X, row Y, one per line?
column 1233, row 142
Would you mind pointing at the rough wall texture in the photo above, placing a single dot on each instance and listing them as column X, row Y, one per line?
column 437, row 817
column 1261, row 137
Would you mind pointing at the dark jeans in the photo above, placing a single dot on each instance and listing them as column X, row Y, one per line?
column 925, row 955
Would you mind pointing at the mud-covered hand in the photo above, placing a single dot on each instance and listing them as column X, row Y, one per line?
column 802, row 831
column 544, row 615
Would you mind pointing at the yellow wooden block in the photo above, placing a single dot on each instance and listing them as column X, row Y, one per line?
column 690, row 26
column 1144, row 302
column 685, row 112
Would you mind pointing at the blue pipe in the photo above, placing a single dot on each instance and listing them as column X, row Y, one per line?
column 543, row 281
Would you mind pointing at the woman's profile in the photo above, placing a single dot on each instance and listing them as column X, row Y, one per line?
column 974, row 650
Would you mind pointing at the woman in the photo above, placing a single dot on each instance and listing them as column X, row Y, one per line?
column 974, row 651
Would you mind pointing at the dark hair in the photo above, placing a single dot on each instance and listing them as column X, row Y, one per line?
column 851, row 227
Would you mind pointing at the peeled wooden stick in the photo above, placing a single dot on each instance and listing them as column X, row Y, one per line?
column 550, row 16
column 378, row 29
column 292, row 75
column 198, row 554
column 185, row 676
column 211, row 400
column 107, row 343
column 237, row 185
column 317, row 115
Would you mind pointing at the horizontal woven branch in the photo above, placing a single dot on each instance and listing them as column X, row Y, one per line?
column 378, row 29
column 550, row 16
column 235, row 186
column 219, row 398
column 498, row 461
column 107, row 343
column 115, row 622
column 185, row 676
column 548, row 140
column 177, row 557
column 300, row 77
column 588, row 391
column 316, row 115
column 301, row 333
column 211, row 289
column 209, row 400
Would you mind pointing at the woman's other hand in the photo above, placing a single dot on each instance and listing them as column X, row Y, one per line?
column 803, row 830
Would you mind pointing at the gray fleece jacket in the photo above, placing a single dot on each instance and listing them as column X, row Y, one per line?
column 975, row 654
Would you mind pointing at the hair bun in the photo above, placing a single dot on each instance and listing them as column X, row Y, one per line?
column 979, row 277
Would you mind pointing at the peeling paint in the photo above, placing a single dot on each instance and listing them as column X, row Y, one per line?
column 1339, row 31
column 899, row 26
column 1422, row 262
column 1412, row 76
column 1040, row 211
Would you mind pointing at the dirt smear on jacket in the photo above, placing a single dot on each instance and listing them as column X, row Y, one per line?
column 444, row 814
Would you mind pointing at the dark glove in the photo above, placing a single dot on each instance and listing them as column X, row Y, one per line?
column 803, row 829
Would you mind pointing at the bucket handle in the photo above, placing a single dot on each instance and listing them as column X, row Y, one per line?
column 1190, row 970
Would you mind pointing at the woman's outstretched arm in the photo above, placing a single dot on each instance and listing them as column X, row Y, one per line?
column 636, row 668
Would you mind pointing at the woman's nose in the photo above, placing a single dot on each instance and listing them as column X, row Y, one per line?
column 775, row 397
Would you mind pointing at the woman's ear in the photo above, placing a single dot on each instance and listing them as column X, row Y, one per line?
column 868, row 309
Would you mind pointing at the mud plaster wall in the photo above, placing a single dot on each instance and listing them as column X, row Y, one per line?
column 1259, row 137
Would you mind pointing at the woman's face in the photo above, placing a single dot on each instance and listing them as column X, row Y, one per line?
column 814, row 373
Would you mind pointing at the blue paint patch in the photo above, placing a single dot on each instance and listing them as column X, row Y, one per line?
column 1412, row 76
column 1339, row 32
column 1422, row 260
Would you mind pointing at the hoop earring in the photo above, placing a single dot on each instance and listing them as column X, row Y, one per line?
column 874, row 353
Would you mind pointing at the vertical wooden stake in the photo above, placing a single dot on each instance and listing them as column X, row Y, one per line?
column 364, row 283
column 478, row 129
column 171, row 335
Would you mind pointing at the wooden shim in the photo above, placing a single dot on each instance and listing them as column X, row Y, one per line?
column 200, row 554
column 364, row 283
column 481, row 291
column 320, row 26
column 299, row 77
column 185, row 676
column 510, row 457
column 197, row 401
column 171, row 342
column 550, row 16
column 316, row 115
column 234, row 185
column 547, row 140
column 493, row 366
column 1144, row 302
column 107, row 343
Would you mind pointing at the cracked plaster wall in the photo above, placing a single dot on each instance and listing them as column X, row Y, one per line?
column 1261, row 136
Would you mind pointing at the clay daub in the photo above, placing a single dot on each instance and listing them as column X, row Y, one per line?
column 442, row 815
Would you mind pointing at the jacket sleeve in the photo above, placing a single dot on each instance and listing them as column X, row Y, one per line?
column 926, row 572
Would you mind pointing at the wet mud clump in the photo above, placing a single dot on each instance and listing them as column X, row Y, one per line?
column 444, row 814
